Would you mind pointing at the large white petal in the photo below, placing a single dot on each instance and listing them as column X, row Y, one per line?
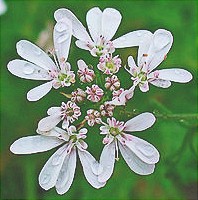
column 50, row 172
column 66, row 174
column 79, row 31
column 135, row 164
column 107, row 160
column 34, row 54
column 140, row 122
column 94, row 22
column 82, row 45
column 49, row 122
column 27, row 70
column 62, row 39
column 38, row 92
column 34, row 144
column 160, row 46
column 111, row 19
column 54, row 110
column 161, row 83
column 130, row 39
column 175, row 74
column 90, row 168
column 144, row 150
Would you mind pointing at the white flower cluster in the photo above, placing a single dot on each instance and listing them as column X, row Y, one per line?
column 140, row 156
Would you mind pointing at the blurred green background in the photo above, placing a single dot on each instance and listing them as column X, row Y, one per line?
column 175, row 177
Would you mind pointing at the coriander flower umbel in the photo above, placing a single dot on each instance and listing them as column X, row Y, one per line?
column 139, row 155
column 152, row 51
column 39, row 66
column 67, row 112
column 102, row 27
column 59, row 170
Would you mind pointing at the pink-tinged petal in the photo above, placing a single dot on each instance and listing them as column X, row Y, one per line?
column 111, row 19
column 27, row 70
column 94, row 22
column 135, row 164
column 34, row 54
column 34, row 144
column 144, row 150
column 144, row 87
column 161, row 83
column 51, row 170
column 48, row 123
column 82, row 45
column 79, row 31
column 90, row 169
column 54, row 110
column 107, row 160
column 140, row 122
column 62, row 39
column 130, row 39
column 38, row 92
column 161, row 43
column 176, row 75
column 66, row 174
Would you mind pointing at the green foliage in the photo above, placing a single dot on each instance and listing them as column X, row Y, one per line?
column 175, row 139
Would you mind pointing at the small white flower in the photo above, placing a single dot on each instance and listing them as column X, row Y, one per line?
column 95, row 93
column 139, row 155
column 102, row 27
column 78, row 95
column 112, row 83
column 93, row 117
column 85, row 74
column 59, row 170
column 39, row 66
column 67, row 112
column 152, row 51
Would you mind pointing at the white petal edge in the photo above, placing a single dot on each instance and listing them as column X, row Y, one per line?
column 94, row 23
column 27, row 70
column 38, row 92
column 140, row 122
column 78, row 30
column 34, row 54
column 50, row 172
column 66, row 174
column 135, row 164
column 111, row 19
column 144, row 150
column 161, row 83
column 89, row 163
column 107, row 161
column 130, row 39
column 34, row 144
column 175, row 74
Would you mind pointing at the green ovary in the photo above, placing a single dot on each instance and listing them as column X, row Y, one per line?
column 114, row 131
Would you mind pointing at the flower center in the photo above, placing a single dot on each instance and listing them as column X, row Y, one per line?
column 142, row 76
column 110, row 65
column 114, row 131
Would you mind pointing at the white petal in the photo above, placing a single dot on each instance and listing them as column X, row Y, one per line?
column 89, row 163
column 49, row 122
column 53, row 110
column 62, row 39
column 34, row 144
column 140, row 122
column 94, row 22
column 161, row 83
column 131, row 62
column 135, row 164
column 160, row 46
column 111, row 19
column 38, row 92
column 82, row 45
column 66, row 174
column 144, row 150
column 130, row 39
column 27, row 70
column 34, row 54
column 107, row 160
column 143, row 48
column 79, row 31
column 144, row 87
column 50, row 172
column 176, row 75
